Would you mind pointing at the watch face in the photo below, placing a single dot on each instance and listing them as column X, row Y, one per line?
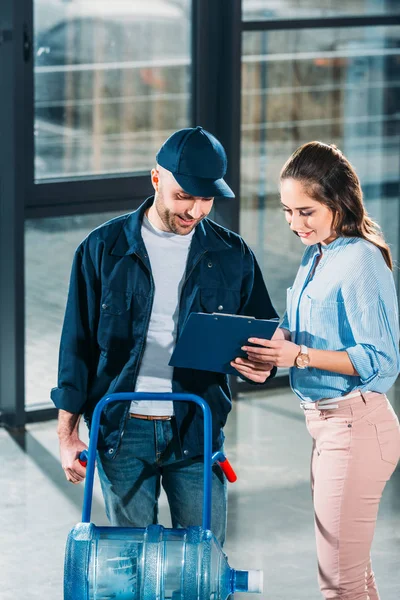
column 302, row 361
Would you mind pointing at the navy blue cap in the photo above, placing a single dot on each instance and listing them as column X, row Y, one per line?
column 198, row 162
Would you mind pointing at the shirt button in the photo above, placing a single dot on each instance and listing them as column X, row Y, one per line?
column 220, row 307
column 104, row 306
column 209, row 265
column 186, row 452
column 111, row 451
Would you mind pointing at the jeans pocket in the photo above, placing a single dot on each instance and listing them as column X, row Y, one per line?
column 386, row 424
column 312, row 425
column 388, row 433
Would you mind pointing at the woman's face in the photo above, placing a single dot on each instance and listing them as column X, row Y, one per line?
column 311, row 220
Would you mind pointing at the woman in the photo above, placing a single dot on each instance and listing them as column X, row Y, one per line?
column 340, row 336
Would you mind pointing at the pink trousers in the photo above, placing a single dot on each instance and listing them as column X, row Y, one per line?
column 355, row 451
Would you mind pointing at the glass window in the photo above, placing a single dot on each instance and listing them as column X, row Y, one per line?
column 263, row 10
column 336, row 86
column 50, row 244
column 112, row 81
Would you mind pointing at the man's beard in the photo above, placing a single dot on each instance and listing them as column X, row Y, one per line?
column 171, row 220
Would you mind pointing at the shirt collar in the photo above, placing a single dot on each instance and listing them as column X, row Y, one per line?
column 336, row 243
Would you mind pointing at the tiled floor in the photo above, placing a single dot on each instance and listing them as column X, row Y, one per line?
column 270, row 517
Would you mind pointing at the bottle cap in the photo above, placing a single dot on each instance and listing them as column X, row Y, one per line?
column 255, row 582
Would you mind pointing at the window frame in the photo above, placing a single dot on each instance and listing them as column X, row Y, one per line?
column 217, row 29
column 299, row 24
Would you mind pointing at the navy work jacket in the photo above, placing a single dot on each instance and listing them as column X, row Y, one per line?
column 107, row 317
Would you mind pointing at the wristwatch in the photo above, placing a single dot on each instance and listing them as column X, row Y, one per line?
column 302, row 360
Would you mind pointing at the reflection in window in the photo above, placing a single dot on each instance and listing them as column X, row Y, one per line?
column 259, row 10
column 336, row 86
column 111, row 83
column 49, row 249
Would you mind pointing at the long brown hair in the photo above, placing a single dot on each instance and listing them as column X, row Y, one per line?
column 329, row 178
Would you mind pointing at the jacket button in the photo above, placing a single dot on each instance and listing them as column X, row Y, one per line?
column 209, row 265
column 186, row 452
column 111, row 451
column 104, row 306
column 220, row 307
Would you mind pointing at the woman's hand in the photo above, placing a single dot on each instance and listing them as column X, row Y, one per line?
column 253, row 370
column 279, row 353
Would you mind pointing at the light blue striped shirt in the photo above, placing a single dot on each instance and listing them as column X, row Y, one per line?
column 350, row 304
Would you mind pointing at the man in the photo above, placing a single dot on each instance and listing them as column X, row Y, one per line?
column 134, row 282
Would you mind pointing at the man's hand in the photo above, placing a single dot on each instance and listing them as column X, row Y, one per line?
column 69, row 452
column 70, row 446
column 253, row 370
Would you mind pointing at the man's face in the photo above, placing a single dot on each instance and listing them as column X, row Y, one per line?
column 179, row 212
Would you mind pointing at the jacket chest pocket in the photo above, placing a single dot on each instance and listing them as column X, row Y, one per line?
column 220, row 300
column 115, row 329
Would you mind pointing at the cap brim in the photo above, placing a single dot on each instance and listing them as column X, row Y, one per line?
column 204, row 188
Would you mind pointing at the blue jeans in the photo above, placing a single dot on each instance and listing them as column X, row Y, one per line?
column 150, row 455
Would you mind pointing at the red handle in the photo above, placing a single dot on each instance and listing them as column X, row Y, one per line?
column 83, row 458
column 228, row 470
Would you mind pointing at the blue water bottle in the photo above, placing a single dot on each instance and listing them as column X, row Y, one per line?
column 153, row 563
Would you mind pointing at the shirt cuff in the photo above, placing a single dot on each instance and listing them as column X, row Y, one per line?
column 362, row 363
column 68, row 399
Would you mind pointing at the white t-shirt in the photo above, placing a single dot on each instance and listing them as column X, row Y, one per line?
column 168, row 254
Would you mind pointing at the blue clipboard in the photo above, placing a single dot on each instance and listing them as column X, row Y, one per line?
column 209, row 342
